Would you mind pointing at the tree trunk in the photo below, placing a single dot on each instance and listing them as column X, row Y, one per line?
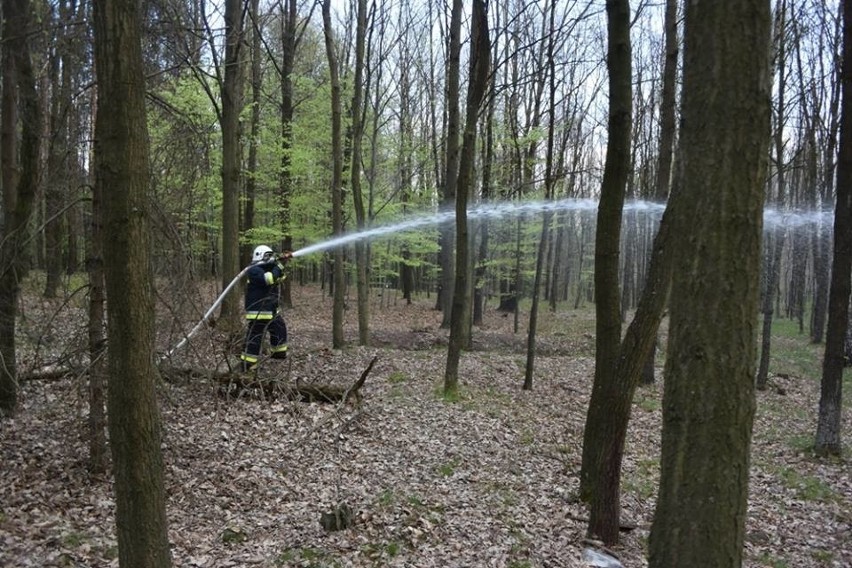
column 562, row 220
column 122, row 173
column 547, row 216
column 829, row 423
column 362, row 281
column 98, row 375
column 289, row 42
column 406, row 136
column 665, row 151
column 448, row 278
column 479, row 292
column 19, row 182
column 232, row 103
column 607, row 240
column 609, row 415
column 338, row 339
column 772, row 274
column 58, row 167
column 771, row 280
column 821, row 235
column 480, row 52
column 255, row 85
column 708, row 403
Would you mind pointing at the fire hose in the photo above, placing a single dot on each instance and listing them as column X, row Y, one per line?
column 212, row 309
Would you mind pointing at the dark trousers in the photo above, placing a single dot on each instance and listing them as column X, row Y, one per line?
column 254, row 337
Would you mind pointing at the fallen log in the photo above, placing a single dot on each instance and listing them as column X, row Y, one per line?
column 52, row 374
column 233, row 385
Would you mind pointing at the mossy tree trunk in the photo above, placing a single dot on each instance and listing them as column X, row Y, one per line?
column 708, row 403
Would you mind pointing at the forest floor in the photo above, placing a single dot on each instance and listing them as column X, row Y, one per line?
column 489, row 478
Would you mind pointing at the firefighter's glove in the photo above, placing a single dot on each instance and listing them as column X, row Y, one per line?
column 282, row 259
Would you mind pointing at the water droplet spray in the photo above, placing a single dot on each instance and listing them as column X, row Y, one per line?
column 771, row 218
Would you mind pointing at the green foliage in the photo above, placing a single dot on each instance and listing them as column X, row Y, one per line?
column 416, row 501
column 307, row 557
column 379, row 553
column 792, row 352
column 452, row 396
column 386, row 498
column 397, row 377
column 773, row 561
column 73, row 539
column 647, row 400
column 803, row 443
column 806, row 487
column 392, row 548
column 448, row 469
column 527, row 438
column 261, row 235
column 186, row 159
column 643, row 480
column 823, row 556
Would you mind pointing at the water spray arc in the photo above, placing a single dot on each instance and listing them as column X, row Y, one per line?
column 496, row 211
column 486, row 211
column 482, row 211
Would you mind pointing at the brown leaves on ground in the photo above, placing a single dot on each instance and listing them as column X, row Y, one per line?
column 489, row 479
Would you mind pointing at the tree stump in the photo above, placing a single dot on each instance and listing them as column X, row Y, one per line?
column 338, row 519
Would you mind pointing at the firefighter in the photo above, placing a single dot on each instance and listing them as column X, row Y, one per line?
column 261, row 305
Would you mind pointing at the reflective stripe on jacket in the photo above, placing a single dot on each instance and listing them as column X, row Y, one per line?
column 261, row 298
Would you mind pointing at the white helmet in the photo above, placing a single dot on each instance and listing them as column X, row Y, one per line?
column 260, row 254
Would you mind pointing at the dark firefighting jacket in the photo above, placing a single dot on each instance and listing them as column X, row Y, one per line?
column 261, row 299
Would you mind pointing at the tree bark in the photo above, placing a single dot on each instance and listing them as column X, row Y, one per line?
column 448, row 278
column 821, row 235
column 828, row 439
column 479, row 292
column 775, row 248
column 289, row 42
column 606, row 425
column 19, row 106
column 255, row 86
column 480, row 52
column 547, row 216
column 122, row 175
column 232, row 103
column 361, row 259
column 58, row 167
column 708, row 403
column 607, row 238
column 406, row 139
column 338, row 339
column 98, row 375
